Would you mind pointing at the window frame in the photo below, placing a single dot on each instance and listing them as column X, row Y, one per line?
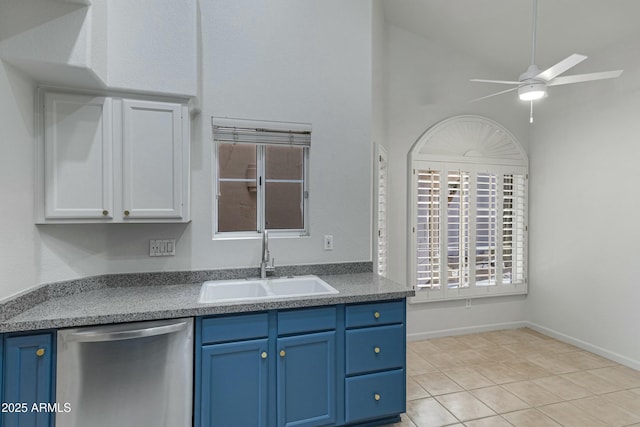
column 481, row 145
column 261, row 148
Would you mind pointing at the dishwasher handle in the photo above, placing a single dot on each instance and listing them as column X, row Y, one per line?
column 99, row 335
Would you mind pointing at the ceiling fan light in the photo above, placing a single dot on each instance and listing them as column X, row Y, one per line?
column 532, row 91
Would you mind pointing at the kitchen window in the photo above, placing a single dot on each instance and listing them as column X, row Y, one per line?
column 261, row 171
column 469, row 212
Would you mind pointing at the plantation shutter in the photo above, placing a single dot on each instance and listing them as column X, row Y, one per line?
column 382, row 214
column 470, row 230
column 428, row 229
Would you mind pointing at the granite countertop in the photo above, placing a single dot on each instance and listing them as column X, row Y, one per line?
column 113, row 304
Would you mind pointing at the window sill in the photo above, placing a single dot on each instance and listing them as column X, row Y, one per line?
column 258, row 236
column 425, row 298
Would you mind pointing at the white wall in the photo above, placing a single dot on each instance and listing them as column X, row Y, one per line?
column 584, row 198
column 279, row 60
column 19, row 267
column 295, row 61
column 428, row 82
column 380, row 78
column 152, row 48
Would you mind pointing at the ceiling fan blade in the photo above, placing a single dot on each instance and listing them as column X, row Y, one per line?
column 502, row 82
column 579, row 78
column 562, row 66
column 494, row 94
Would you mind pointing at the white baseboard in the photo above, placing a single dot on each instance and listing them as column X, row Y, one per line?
column 466, row 330
column 623, row 360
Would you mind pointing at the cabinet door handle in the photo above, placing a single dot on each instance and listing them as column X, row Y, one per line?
column 376, row 314
column 126, row 213
column 105, row 212
column 40, row 352
column 376, row 397
column 376, row 350
column 263, row 355
column 282, row 353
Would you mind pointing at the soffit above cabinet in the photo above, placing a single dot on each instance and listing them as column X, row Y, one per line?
column 104, row 44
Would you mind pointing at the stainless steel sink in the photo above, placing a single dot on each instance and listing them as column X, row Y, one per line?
column 252, row 289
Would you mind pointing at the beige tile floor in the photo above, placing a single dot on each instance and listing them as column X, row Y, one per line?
column 516, row 378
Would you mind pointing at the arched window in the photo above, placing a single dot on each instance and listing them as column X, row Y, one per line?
column 468, row 180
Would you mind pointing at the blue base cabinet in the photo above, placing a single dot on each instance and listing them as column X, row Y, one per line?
column 375, row 360
column 232, row 370
column 322, row 366
column 28, row 384
column 306, row 369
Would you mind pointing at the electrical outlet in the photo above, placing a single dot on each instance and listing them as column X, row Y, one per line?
column 328, row 242
column 162, row 247
column 467, row 303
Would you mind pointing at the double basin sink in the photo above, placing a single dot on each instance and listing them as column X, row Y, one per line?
column 252, row 289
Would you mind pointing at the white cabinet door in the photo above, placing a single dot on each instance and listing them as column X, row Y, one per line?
column 78, row 161
column 152, row 160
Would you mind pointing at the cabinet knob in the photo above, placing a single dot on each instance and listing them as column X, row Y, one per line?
column 40, row 352
column 126, row 213
column 376, row 397
column 263, row 355
column 376, row 350
column 282, row 353
column 376, row 314
column 105, row 212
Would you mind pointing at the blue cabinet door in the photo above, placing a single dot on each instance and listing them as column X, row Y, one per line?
column 28, row 379
column 234, row 384
column 1, row 373
column 306, row 372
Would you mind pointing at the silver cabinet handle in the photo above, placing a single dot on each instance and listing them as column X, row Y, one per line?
column 95, row 335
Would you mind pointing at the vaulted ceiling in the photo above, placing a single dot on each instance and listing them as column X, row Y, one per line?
column 498, row 32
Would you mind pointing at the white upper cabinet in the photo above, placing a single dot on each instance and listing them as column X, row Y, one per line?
column 108, row 159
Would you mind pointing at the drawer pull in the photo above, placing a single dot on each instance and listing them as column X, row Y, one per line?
column 263, row 355
column 376, row 397
column 40, row 352
column 105, row 212
column 282, row 353
column 376, row 350
column 376, row 314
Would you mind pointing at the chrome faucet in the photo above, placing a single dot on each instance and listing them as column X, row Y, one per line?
column 266, row 257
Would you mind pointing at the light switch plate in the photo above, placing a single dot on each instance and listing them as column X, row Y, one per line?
column 328, row 242
column 165, row 247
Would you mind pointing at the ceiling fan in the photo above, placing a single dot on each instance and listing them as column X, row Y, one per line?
column 533, row 83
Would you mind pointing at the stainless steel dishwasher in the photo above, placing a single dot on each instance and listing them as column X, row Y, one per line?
column 126, row 375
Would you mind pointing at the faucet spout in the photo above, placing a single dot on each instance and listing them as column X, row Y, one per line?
column 266, row 257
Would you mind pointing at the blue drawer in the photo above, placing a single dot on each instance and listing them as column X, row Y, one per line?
column 306, row 320
column 375, row 349
column 378, row 313
column 235, row 328
column 374, row 395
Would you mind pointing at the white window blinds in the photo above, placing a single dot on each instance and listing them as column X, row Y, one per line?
column 260, row 132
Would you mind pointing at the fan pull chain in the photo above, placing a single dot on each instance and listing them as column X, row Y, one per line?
column 531, row 113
